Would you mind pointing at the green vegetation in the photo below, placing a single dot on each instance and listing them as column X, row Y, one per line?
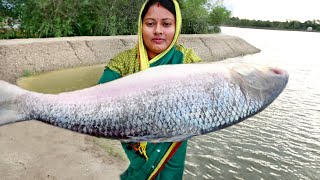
column 288, row 25
column 201, row 17
column 60, row 18
column 26, row 73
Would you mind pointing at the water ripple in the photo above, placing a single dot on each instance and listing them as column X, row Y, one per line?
column 282, row 142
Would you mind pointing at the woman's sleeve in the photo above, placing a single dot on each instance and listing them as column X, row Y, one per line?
column 108, row 75
column 194, row 58
column 189, row 55
column 115, row 68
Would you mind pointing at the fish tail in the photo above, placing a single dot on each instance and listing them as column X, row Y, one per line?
column 9, row 109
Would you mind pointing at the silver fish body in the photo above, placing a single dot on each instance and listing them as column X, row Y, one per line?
column 162, row 104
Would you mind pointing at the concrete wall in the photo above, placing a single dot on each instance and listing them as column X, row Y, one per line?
column 38, row 55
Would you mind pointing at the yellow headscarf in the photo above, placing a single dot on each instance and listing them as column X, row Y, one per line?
column 143, row 55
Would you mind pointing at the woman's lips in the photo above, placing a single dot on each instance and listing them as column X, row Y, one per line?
column 158, row 40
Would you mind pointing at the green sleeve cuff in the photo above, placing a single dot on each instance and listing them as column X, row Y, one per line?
column 108, row 75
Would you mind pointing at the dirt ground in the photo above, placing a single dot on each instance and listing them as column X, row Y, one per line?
column 34, row 150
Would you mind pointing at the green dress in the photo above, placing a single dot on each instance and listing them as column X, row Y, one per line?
column 127, row 63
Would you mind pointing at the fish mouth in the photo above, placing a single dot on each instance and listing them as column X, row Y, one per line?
column 278, row 71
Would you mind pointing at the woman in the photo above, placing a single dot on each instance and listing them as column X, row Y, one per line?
column 159, row 29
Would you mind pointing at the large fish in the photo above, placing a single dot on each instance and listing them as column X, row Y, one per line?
column 162, row 104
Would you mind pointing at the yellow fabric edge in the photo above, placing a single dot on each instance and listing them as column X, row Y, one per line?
column 143, row 149
column 143, row 56
column 162, row 160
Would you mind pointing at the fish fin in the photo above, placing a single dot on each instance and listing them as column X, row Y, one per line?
column 8, row 103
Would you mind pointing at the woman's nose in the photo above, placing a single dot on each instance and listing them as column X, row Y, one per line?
column 158, row 29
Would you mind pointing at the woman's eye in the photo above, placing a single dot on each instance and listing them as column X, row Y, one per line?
column 166, row 24
column 149, row 24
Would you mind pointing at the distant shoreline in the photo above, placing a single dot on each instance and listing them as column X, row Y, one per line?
column 267, row 28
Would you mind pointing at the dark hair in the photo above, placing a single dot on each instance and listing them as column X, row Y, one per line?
column 168, row 4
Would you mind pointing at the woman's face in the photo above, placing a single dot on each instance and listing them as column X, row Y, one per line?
column 158, row 29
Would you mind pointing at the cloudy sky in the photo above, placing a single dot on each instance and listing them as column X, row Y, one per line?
column 275, row 10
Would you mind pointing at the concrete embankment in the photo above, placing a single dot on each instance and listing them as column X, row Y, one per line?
column 39, row 55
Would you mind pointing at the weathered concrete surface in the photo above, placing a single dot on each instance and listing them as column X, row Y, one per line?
column 38, row 55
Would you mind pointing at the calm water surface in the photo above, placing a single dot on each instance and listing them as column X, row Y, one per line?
column 282, row 142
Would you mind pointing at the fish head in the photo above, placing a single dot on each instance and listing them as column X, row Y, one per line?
column 262, row 83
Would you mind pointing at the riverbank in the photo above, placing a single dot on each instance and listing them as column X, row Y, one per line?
column 34, row 150
column 21, row 57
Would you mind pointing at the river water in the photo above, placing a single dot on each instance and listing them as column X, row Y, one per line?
column 282, row 142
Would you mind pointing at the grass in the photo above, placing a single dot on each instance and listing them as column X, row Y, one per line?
column 26, row 73
column 11, row 33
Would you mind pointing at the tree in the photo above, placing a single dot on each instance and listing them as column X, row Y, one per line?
column 57, row 18
column 195, row 17
column 219, row 15
column 10, row 10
